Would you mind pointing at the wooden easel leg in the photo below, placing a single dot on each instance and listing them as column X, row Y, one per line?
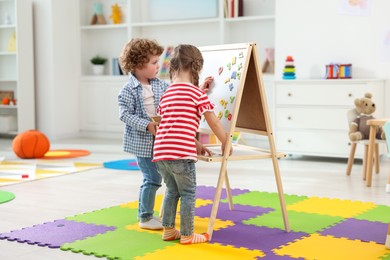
column 228, row 191
column 280, row 192
column 217, row 197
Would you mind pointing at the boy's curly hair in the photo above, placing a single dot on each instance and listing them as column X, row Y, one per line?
column 136, row 53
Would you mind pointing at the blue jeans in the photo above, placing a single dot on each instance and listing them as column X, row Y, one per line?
column 151, row 183
column 180, row 179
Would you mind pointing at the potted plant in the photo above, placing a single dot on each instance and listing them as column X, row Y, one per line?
column 98, row 64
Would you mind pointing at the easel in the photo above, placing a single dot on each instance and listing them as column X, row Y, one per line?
column 249, row 113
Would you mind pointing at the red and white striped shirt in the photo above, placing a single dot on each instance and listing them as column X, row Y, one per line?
column 180, row 108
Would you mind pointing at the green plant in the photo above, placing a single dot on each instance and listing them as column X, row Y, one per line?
column 97, row 60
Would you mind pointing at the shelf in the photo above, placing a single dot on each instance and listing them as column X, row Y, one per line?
column 103, row 26
column 17, row 67
column 7, row 26
column 176, row 22
column 104, row 78
column 8, row 80
column 250, row 18
column 7, row 53
column 8, row 107
column 98, row 108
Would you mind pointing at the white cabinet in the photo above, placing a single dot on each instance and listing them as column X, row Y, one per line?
column 16, row 66
column 142, row 19
column 99, row 105
column 311, row 115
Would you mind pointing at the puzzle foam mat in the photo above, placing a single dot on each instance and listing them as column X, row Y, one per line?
column 321, row 228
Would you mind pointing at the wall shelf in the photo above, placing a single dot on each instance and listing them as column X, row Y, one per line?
column 17, row 68
column 140, row 21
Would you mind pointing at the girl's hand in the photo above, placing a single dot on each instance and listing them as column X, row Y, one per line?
column 206, row 86
column 201, row 149
column 223, row 149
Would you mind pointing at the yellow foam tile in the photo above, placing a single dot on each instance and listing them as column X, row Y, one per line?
column 202, row 251
column 320, row 247
column 332, row 207
column 200, row 225
column 159, row 200
column 134, row 204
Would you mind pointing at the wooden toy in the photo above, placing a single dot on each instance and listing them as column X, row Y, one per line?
column 98, row 17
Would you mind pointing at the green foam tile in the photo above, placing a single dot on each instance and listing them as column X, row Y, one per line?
column 386, row 257
column 114, row 216
column 119, row 244
column 299, row 221
column 264, row 199
column 380, row 213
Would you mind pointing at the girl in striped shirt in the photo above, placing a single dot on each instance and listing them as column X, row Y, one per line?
column 176, row 148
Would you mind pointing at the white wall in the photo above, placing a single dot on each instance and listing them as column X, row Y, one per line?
column 315, row 34
column 57, row 67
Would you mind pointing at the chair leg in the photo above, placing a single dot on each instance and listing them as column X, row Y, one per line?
column 388, row 187
column 365, row 162
column 377, row 158
column 351, row 158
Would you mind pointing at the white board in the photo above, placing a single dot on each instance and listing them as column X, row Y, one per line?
column 225, row 64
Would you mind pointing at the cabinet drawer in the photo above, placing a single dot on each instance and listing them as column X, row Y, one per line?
column 313, row 118
column 325, row 94
column 316, row 143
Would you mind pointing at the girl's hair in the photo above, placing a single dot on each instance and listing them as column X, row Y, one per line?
column 187, row 57
column 136, row 53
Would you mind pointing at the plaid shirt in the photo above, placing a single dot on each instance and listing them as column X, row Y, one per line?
column 136, row 138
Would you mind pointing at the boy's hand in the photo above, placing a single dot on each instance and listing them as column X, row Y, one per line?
column 152, row 127
column 206, row 86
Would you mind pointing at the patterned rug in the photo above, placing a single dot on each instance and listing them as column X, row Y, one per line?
column 321, row 228
column 19, row 170
column 126, row 165
column 6, row 196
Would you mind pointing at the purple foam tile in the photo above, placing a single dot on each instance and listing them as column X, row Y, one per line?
column 54, row 234
column 272, row 256
column 254, row 237
column 207, row 192
column 358, row 229
column 238, row 214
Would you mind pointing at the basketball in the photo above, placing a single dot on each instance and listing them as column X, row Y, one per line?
column 30, row 144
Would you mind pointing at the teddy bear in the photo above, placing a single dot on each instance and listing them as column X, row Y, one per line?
column 116, row 15
column 359, row 129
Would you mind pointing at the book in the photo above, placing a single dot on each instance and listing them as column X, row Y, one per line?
column 235, row 9
column 240, row 7
column 226, row 9
column 116, row 67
